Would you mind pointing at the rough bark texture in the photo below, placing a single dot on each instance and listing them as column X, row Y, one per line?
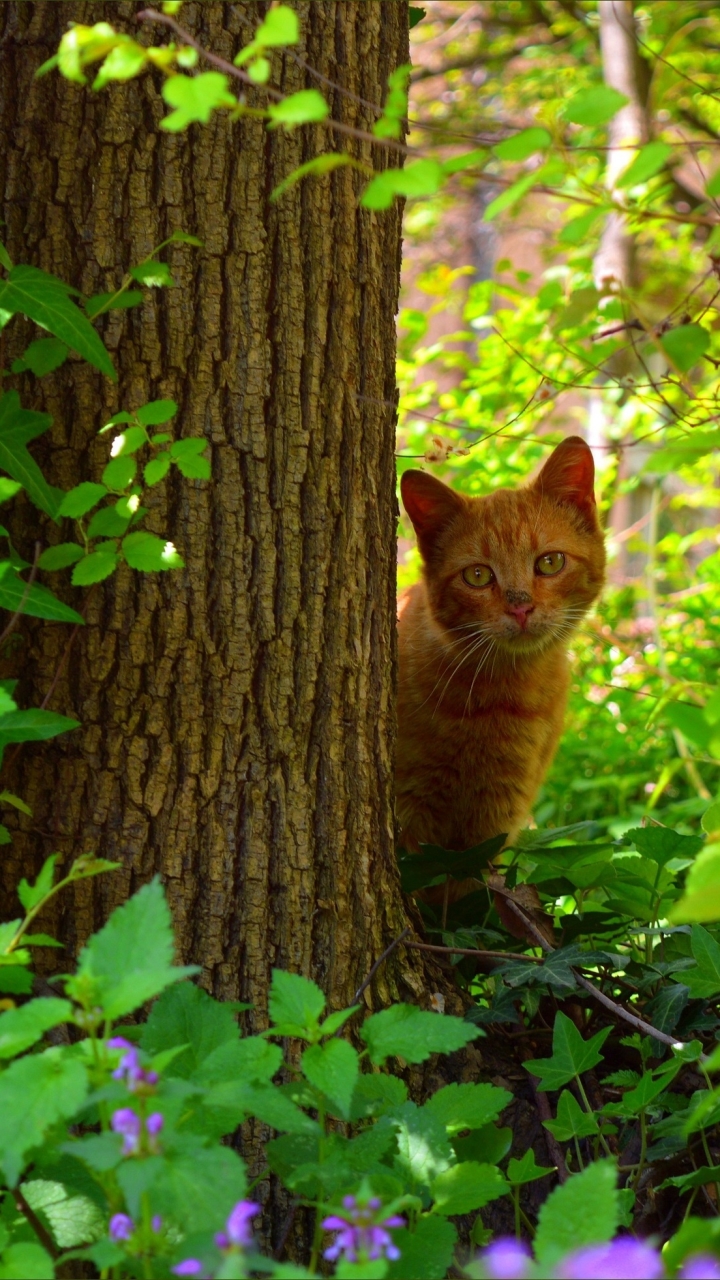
column 237, row 719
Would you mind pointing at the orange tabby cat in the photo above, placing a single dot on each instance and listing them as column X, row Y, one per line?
column 483, row 646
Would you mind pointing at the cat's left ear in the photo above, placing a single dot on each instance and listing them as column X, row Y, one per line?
column 569, row 477
column 431, row 505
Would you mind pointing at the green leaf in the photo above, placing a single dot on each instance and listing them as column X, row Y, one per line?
column 188, row 448
column 424, row 1151
column 183, row 237
column 147, row 552
column 194, row 98
column 305, row 107
column 295, row 1001
column 7, row 797
column 194, row 467
column 319, row 165
column 44, row 355
column 8, row 488
column 683, row 453
column 428, row 1251
column 130, row 960
column 467, row 1186
column 115, row 301
column 661, row 844
column 421, row 178
column 705, row 980
column 123, row 62
column 17, row 427
column 710, row 820
column 33, row 725
column 44, row 299
column 577, row 229
column 470, row 160
column 78, row 501
column 511, row 195
column 571, row 1054
column 26, row 1261
column 32, row 599
column 107, row 523
column 156, row 412
column 649, row 160
column 525, row 1170
column 15, row 979
column 31, row 895
column 157, row 468
column 416, row 15
column 94, row 567
column 583, row 1211
column 116, row 419
column 129, row 442
column 36, row 1092
column 119, row 473
column 488, row 1145
column 248, row 1098
column 153, row 274
column 571, row 1121
column 185, row 1014
column 252, row 1059
column 74, row 1218
column 333, row 1068
column 523, row 144
column 594, row 106
column 280, row 26
column 413, row 1034
column 377, row 1094
column 467, row 1106
column 201, row 1188
column 5, row 259
column 60, row 556
column 694, row 1236
column 685, row 345
column 23, row 1027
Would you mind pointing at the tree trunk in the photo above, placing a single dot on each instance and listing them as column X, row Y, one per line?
column 237, row 717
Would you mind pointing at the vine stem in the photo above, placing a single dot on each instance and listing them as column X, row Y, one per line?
column 19, row 611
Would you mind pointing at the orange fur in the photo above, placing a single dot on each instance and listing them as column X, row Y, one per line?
column 484, row 670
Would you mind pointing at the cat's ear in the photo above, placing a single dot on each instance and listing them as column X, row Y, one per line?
column 569, row 477
column 430, row 504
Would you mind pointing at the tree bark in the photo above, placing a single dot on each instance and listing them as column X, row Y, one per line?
column 237, row 717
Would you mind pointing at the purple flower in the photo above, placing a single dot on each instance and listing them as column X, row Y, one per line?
column 129, row 1069
column 361, row 1233
column 154, row 1123
column 237, row 1231
column 506, row 1259
column 121, row 1227
column 126, row 1122
column 701, row 1267
column 190, row 1267
column 617, row 1260
column 156, row 1223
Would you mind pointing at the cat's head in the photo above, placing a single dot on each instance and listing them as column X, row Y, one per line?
column 520, row 566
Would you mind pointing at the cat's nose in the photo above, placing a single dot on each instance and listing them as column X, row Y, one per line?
column 520, row 612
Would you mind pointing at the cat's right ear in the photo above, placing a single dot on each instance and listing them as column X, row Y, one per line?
column 431, row 505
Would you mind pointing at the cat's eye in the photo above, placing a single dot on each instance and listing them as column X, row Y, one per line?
column 478, row 575
column 552, row 562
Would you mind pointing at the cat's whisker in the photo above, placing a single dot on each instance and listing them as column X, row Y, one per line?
column 470, row 645
column 480, row 644
column 478, row 669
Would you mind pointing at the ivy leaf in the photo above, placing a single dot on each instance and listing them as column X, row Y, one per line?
column 31, row 894
column 467, row 1186
column 571, row 1054
column 23, row 1027
column 467, row 1106
column 17, row 427
column 147, row 552
column 525, row 1170
column 413, row 1034
column 571, row 1121
column 585, row 1210
column 36, row 1092
column 305, row 107
column 44, row 299
column 333, row 1068
column 194, row 98
column 78, row 501
column 130, row 960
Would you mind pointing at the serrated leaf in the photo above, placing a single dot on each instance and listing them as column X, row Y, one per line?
column 194, row 98
column 23, row 1027
column 685, row 345
column 649, row 160
column 200, row 1188
column 185, row 1014
column 36, row 1092
column 413, row 1034
column 157, row 468
column 594, row 106
column 107, row 523
column 94, row 567
column 130, row 960
column 333, row 1068
column 128, row 442
column 17, row 427
column 467, row 1186
column 571, row 1054
column 156, row 412
column 295, row 999
column 44, row 299
column 78, row 501
column 190, row 447
column 377, row 1094
column 153, row 274
column 305, row 107
column 424, row 1151
column 147, row 552
column 467, row 1106
column 74, row 1218
column 660, row 844
column 60, row 556
column 119, row 473
column 101, row 302
column 584, row 1211
column 523, row 144
column 44, row 355
column 194, row 468
column 428, row 1251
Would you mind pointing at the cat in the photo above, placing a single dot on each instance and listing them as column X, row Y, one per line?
column 484, row 670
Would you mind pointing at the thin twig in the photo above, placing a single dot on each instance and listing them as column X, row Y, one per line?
column 41, row 1231
column 471, row 951
column 19, row 611
column 279, row 1247
column 387, row 952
